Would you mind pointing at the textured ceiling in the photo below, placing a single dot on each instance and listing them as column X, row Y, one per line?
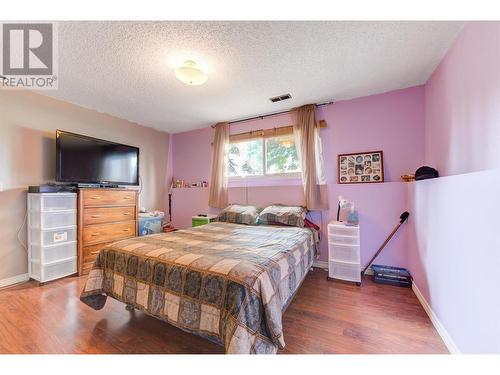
column 126, row 68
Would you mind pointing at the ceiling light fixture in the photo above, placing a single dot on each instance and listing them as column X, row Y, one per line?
column 190, row 74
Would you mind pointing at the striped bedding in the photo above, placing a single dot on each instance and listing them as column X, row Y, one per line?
column 229, row 283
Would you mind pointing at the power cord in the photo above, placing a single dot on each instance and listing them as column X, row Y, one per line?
column 140, row 185
column 25, row 246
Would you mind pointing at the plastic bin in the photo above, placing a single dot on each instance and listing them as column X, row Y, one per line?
column 53, row 253
column 52, row 220
column 52, row 202
column 57, row 270
column 150, row 225
column 52, row 236
column 391, row 275
column 345, row 271
column 54, row 270
column 343, row 240
column 343, row 230
column 196, row 221
column 344, row 253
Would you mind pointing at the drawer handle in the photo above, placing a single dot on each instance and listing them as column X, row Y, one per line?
column 96, row 197
column 95, row 234
column 127, row 197
column 127, row 230
column 95, row 216
column 126, row 213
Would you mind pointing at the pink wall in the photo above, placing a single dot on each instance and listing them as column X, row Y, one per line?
column 392, row 122
column 450, row 243
column 463, row 103
column 453, row 246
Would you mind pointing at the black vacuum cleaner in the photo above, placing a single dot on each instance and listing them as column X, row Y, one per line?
column 386, row 274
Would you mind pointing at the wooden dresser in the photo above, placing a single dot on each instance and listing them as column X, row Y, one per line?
column 104, row 216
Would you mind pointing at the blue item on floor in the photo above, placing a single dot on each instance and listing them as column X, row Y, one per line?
column 391, row 275
column 150, row 224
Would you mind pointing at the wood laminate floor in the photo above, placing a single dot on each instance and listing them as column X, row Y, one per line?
column 324, row 317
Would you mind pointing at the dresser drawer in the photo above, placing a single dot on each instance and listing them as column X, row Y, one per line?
column 99, row 215
column 103, row 197
column 86, row 267
column 107, row 232
column 89, row 253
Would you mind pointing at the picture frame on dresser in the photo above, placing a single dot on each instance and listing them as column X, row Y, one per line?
column 360, row 167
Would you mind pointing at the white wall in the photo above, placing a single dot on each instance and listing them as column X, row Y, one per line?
column 453, row 247
column 454, row 255
column 462, row 97
column 28, row 122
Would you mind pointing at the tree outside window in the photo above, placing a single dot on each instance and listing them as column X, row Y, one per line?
column 261, row 157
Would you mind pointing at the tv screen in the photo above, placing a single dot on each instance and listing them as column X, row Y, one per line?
column 82, row 159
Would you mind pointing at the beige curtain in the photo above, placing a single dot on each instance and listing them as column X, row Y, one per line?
column 308, row 142
column 218, row 183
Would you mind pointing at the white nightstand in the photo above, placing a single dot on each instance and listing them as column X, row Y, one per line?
column 343, row 252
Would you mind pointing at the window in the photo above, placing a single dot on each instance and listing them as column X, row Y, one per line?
column 281, row 155
column 263, row 156
column 246, row 158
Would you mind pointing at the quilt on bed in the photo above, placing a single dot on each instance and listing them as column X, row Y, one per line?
column 226, row 282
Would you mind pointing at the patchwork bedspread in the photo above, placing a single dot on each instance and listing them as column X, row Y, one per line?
column 226, row 282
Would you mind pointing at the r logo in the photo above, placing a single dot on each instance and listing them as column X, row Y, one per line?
column 27, row 49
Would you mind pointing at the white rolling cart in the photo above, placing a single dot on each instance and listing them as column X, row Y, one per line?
column 344, row 252
column 52, row 242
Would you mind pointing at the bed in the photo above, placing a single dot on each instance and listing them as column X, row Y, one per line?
column 229, row 283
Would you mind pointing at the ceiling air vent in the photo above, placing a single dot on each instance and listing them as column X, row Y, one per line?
column 280, row 98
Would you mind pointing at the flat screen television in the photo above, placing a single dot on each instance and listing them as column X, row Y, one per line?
column 86, row 160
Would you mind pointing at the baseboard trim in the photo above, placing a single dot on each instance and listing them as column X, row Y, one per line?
column 321, row 264
column 445, row 336
column 14, row 280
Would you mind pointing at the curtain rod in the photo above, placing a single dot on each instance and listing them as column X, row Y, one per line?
column 261, row 117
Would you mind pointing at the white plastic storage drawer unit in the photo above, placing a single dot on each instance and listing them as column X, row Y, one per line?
column 344, row 252
column 53, row 219
column 52, row 245
column 49, row 237
column 48, row 202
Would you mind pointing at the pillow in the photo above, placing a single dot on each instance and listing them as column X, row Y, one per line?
column 239, row 214
column 284, row 215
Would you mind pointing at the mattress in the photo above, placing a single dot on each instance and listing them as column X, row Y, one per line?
column 229, row 283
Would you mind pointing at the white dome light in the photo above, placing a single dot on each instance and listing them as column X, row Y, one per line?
column 190, row 74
